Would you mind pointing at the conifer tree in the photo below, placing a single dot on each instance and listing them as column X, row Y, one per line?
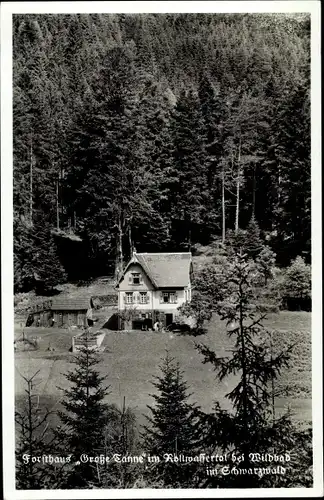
column 121, row 437
column 47, row 268
column 214, row 112
column 173, row 427
column 34, row 439
column 253, row 244
column 84, row 417
column 266, row 261
column 252, row 425
column 191, row 201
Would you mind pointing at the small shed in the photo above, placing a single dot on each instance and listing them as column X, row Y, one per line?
column 62, row 312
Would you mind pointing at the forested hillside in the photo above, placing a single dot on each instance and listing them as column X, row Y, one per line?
column 156, row 132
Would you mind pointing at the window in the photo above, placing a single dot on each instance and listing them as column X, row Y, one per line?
column 143, row 297
column 129, row 297
column 169, row 297
column 135, row 279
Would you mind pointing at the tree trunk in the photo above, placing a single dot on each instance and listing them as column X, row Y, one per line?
column 30, row 427
column 279, row 186
column 272, row 385
column 131, row 245
column 276, row 224
column 223, row 206
column 31, row 184
column 119, row 254
column 254, row 189
column 238, row 190
column 245, row 446
column 57, row 205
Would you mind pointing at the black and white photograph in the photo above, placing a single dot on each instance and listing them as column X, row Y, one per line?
column 161, row 271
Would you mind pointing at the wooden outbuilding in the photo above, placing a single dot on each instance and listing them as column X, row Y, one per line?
column 61, row 312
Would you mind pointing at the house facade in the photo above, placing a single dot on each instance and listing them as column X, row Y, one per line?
column 152, row 287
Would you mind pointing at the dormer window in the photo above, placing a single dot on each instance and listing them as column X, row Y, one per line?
column 135, row 279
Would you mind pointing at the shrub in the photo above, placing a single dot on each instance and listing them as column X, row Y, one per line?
column 200, row 309
column 296, row 285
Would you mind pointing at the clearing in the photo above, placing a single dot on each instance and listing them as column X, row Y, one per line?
column 131, row 359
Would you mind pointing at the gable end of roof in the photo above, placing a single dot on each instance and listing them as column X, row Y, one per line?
column 169, row 269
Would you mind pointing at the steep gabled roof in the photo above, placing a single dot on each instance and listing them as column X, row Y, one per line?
column 165, row 269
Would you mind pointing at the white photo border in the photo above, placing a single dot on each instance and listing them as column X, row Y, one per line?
column 7, row 10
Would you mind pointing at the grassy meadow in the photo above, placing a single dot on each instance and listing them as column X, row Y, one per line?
column 131, row 359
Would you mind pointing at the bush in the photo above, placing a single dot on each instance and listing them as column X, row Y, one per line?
column 105, row 300
column 200, row 309
column 296, row 286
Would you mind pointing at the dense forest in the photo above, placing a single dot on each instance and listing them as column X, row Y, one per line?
column 156, row 132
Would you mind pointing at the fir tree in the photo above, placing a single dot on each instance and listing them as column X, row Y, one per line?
column 191, row 201
column 47, row 268
column 23, row 256
column 121, row 436
column 252, row 424
column 172, row 429
column 214, row 112
column 84, row 417
column 253, row 244
column 34, row 439
column 266, row 261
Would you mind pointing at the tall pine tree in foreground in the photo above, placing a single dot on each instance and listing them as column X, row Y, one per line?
column 34, row 439
column 172, row 429
column 84, row 418
column 252, row 426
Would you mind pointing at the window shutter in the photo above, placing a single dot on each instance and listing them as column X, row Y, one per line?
column 130, row 278
column 161, row 297
column 175, row 297
column 140, row 278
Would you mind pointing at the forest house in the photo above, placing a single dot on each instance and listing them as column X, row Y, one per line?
column 152, row 287
column 62, row 312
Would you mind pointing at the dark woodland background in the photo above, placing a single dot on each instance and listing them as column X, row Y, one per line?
column 144, row 130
